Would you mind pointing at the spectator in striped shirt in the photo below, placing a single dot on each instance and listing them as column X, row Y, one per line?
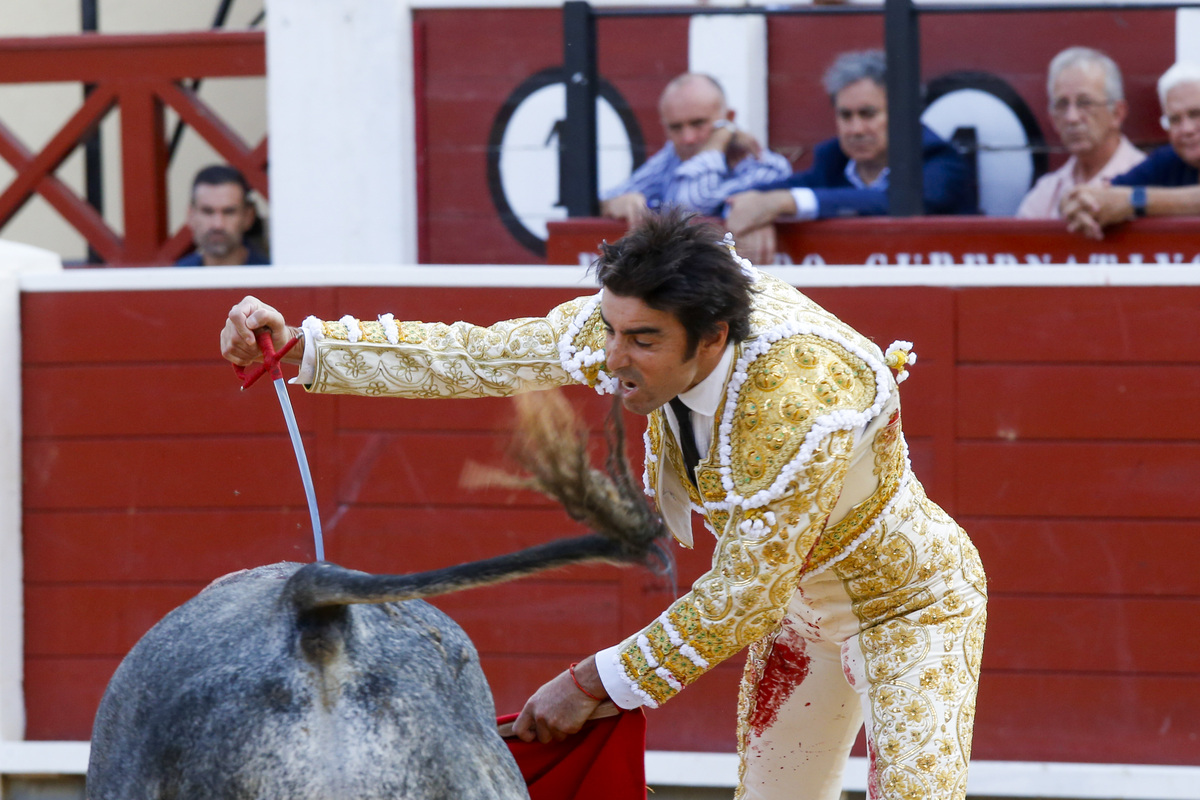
column 705, row 160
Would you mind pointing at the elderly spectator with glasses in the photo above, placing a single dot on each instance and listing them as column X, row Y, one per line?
column 1087, row 107
column 1165, row 184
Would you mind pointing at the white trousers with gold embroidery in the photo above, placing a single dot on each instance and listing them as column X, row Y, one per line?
column 891, row 634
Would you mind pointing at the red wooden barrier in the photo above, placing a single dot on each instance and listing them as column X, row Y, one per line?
column 1056, row 424
column 938, row 241
column 464, row 100
column 140, row 75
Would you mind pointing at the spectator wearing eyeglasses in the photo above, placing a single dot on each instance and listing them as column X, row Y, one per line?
column 1087, row 108
column 1165, row 184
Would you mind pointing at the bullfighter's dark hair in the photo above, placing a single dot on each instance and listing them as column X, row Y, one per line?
column 675, row 262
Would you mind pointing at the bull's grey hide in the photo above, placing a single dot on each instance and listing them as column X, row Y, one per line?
column 243, row 692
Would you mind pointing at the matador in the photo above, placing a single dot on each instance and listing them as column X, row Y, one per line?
column 857, row 598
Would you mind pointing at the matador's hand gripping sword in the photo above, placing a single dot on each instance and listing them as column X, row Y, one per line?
column 270, row 364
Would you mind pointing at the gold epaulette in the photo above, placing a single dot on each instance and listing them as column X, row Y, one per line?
column 786, row 390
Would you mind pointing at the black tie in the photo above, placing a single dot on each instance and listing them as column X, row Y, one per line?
column 687, row 438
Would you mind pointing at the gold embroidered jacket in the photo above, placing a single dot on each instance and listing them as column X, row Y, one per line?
column 807, row 435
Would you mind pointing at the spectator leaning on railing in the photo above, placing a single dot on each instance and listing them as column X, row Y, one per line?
column 849, row 175
column 1166, row 183
column 706, row 158
column 1087, row 107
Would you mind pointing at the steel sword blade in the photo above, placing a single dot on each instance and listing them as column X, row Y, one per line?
column 270, row 364
column 305, row 476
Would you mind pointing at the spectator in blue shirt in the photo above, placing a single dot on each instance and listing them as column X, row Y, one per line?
column 849, row 174
column 220, row 214
column 705, row 160
column 1165, row 184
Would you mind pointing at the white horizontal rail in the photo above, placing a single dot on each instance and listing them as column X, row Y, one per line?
column 43, row 758
column 575, row 277
column 719, row 771
column 987, row 778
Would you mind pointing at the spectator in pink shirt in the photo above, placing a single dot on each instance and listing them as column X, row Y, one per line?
column 1087, row 107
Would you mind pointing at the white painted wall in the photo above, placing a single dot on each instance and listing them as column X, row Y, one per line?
column 15, row 259
column 340, row 105
column 734, row 51
column 1187, row 35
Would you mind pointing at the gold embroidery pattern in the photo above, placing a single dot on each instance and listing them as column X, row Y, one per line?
column 914, row 582
column 756, row 663
column 711, row 488
column 760, row 551
column 786, row 389
column 777, row 302
column 889, row 468
column 919, row 592
column 439, row 360
column 654, row 449
column 591, row 332
column 802, row 518
column 756, row 568
column 591, row 338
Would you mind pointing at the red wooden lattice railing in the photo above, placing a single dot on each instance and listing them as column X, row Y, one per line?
column 141, row 75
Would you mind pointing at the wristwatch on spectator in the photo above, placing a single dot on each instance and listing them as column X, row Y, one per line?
column 1137, row 201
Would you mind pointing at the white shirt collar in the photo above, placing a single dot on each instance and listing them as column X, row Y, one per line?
column 705, row 397
column 881, row 182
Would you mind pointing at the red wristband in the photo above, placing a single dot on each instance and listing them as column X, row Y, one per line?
column 579, row 686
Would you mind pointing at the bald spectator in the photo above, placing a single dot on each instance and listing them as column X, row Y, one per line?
column 220, row 215
column 705, row 160
column 1165, row 184
column 1087, row 108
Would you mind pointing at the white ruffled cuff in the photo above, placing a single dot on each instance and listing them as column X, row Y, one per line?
column 608, row 665
column 313, row 331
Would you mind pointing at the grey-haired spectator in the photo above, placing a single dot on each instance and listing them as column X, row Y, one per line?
column 1165, row 184
column 849, row 174
column 1087, row 108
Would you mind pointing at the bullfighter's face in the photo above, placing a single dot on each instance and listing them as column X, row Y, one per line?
column 646, row 349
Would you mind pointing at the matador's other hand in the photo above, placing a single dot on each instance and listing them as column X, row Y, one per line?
column 559, row 708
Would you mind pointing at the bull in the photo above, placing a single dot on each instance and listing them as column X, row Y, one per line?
column 315, row 682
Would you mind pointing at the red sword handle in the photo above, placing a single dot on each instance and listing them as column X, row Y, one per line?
column 270, row 362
